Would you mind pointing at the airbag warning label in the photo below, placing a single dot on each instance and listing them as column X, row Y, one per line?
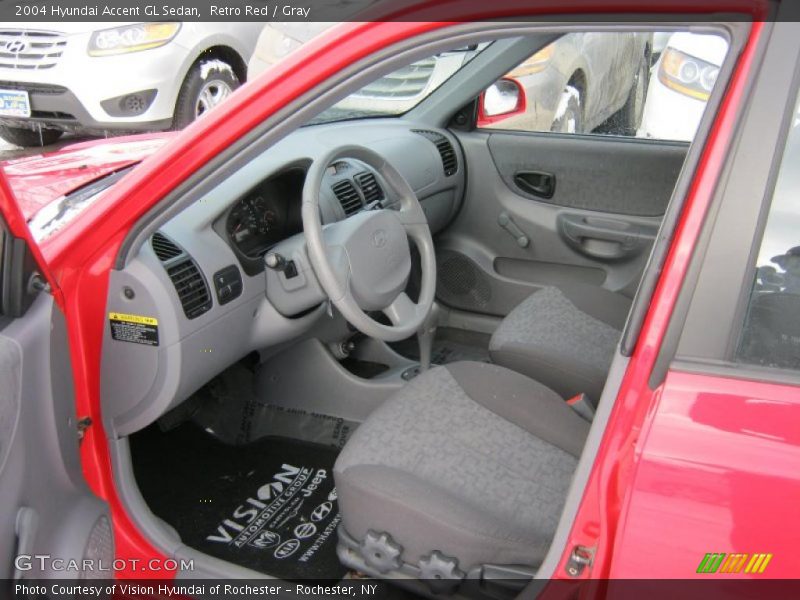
column 133, row 328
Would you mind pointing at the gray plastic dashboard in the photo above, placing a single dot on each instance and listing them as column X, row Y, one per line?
column 154, row 356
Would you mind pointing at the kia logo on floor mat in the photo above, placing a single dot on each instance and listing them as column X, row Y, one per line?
column 287, row 548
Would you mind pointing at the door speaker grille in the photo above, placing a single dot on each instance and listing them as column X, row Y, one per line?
column 461, row 283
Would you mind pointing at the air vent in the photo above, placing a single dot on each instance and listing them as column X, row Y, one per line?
column 164, row 247
column 445, row 148
column 369, row 187
column 348, row 197
column 191, row 287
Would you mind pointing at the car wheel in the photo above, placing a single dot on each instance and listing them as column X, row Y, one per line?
column 208, row 84
column 569, row 113
column 629, row 117
column 29, row 138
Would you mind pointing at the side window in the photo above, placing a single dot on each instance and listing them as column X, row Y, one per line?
column 771, row 333
column 635, row 84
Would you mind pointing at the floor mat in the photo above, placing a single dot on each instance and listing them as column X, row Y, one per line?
column 270, row 505
column 235, row 412
column 450, row 345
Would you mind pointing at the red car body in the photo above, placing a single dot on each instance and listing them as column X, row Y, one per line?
column 41, row 179
column 682, row 470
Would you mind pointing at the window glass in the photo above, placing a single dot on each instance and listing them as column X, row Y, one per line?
column 648, row 85
column 771, row 335
column 401, row 90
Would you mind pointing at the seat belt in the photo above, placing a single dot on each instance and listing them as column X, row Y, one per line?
column 581, row 405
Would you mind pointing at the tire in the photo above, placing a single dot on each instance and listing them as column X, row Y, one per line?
column 29, row 138
column 209, row 82
column 569, row 113
column 629, row 117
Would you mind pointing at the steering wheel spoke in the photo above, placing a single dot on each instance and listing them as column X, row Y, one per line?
column 401, row 310
column 412, row 216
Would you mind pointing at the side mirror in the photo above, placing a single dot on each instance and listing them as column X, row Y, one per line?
column 501, row 100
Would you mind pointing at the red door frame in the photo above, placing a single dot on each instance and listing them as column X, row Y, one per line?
column 79, row 259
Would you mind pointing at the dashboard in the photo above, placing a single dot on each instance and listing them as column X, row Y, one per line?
column 200, row 278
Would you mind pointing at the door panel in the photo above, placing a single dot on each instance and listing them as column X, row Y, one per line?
column 45, row 505
column 596, row 229
column 609, row 174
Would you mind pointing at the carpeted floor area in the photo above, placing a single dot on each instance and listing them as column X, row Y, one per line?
column 269, row 505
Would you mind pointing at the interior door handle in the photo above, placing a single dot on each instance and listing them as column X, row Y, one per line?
column 538, row 183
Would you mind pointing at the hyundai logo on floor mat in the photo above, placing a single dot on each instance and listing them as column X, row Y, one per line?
column 322, row 511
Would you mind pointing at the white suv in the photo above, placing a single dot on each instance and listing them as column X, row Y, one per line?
column 96, row 79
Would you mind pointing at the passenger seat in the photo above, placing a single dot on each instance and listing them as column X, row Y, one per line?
column 563, row 337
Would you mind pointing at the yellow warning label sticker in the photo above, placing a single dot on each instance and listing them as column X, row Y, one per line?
column 136, row 329
column 115, row 316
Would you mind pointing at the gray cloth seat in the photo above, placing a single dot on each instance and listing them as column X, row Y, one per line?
column 563, row 337
column 469, row 464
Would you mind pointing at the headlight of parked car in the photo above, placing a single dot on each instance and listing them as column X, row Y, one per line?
column 534, row 64
column 687, row 75
column 131, row 38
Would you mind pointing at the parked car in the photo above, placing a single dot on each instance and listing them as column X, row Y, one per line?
column 96, row 78
column 277, row 40
column 685, row 75
column 476, row 363
column 581, row 81
column 573, row 85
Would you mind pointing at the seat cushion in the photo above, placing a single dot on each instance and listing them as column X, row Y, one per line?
column 564, row 338
column 472, row 460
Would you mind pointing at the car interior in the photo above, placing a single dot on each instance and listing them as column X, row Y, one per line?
column 376, row 347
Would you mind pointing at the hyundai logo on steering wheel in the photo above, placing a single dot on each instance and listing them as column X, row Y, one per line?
column 379, row 238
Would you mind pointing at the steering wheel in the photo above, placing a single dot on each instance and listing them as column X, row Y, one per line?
column 363, row 262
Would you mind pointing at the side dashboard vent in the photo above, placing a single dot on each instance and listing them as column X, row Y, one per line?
column 348, row 197
column 191, row 287
column 164, row 247
column 445, row 148
column 369, row 187
column 187, row 278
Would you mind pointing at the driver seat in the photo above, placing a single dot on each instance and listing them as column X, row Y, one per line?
column 465, row 469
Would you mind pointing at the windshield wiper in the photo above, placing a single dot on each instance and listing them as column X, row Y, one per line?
column 80, row 195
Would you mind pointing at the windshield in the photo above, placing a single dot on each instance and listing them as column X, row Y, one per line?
column 401, row 90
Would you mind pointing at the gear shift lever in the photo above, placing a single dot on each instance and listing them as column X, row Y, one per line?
column 425, row 337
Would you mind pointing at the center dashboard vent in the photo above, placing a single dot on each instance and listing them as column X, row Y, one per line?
column 445, row 148
column 185, row 275
column 369, row 187
column 348, row 196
